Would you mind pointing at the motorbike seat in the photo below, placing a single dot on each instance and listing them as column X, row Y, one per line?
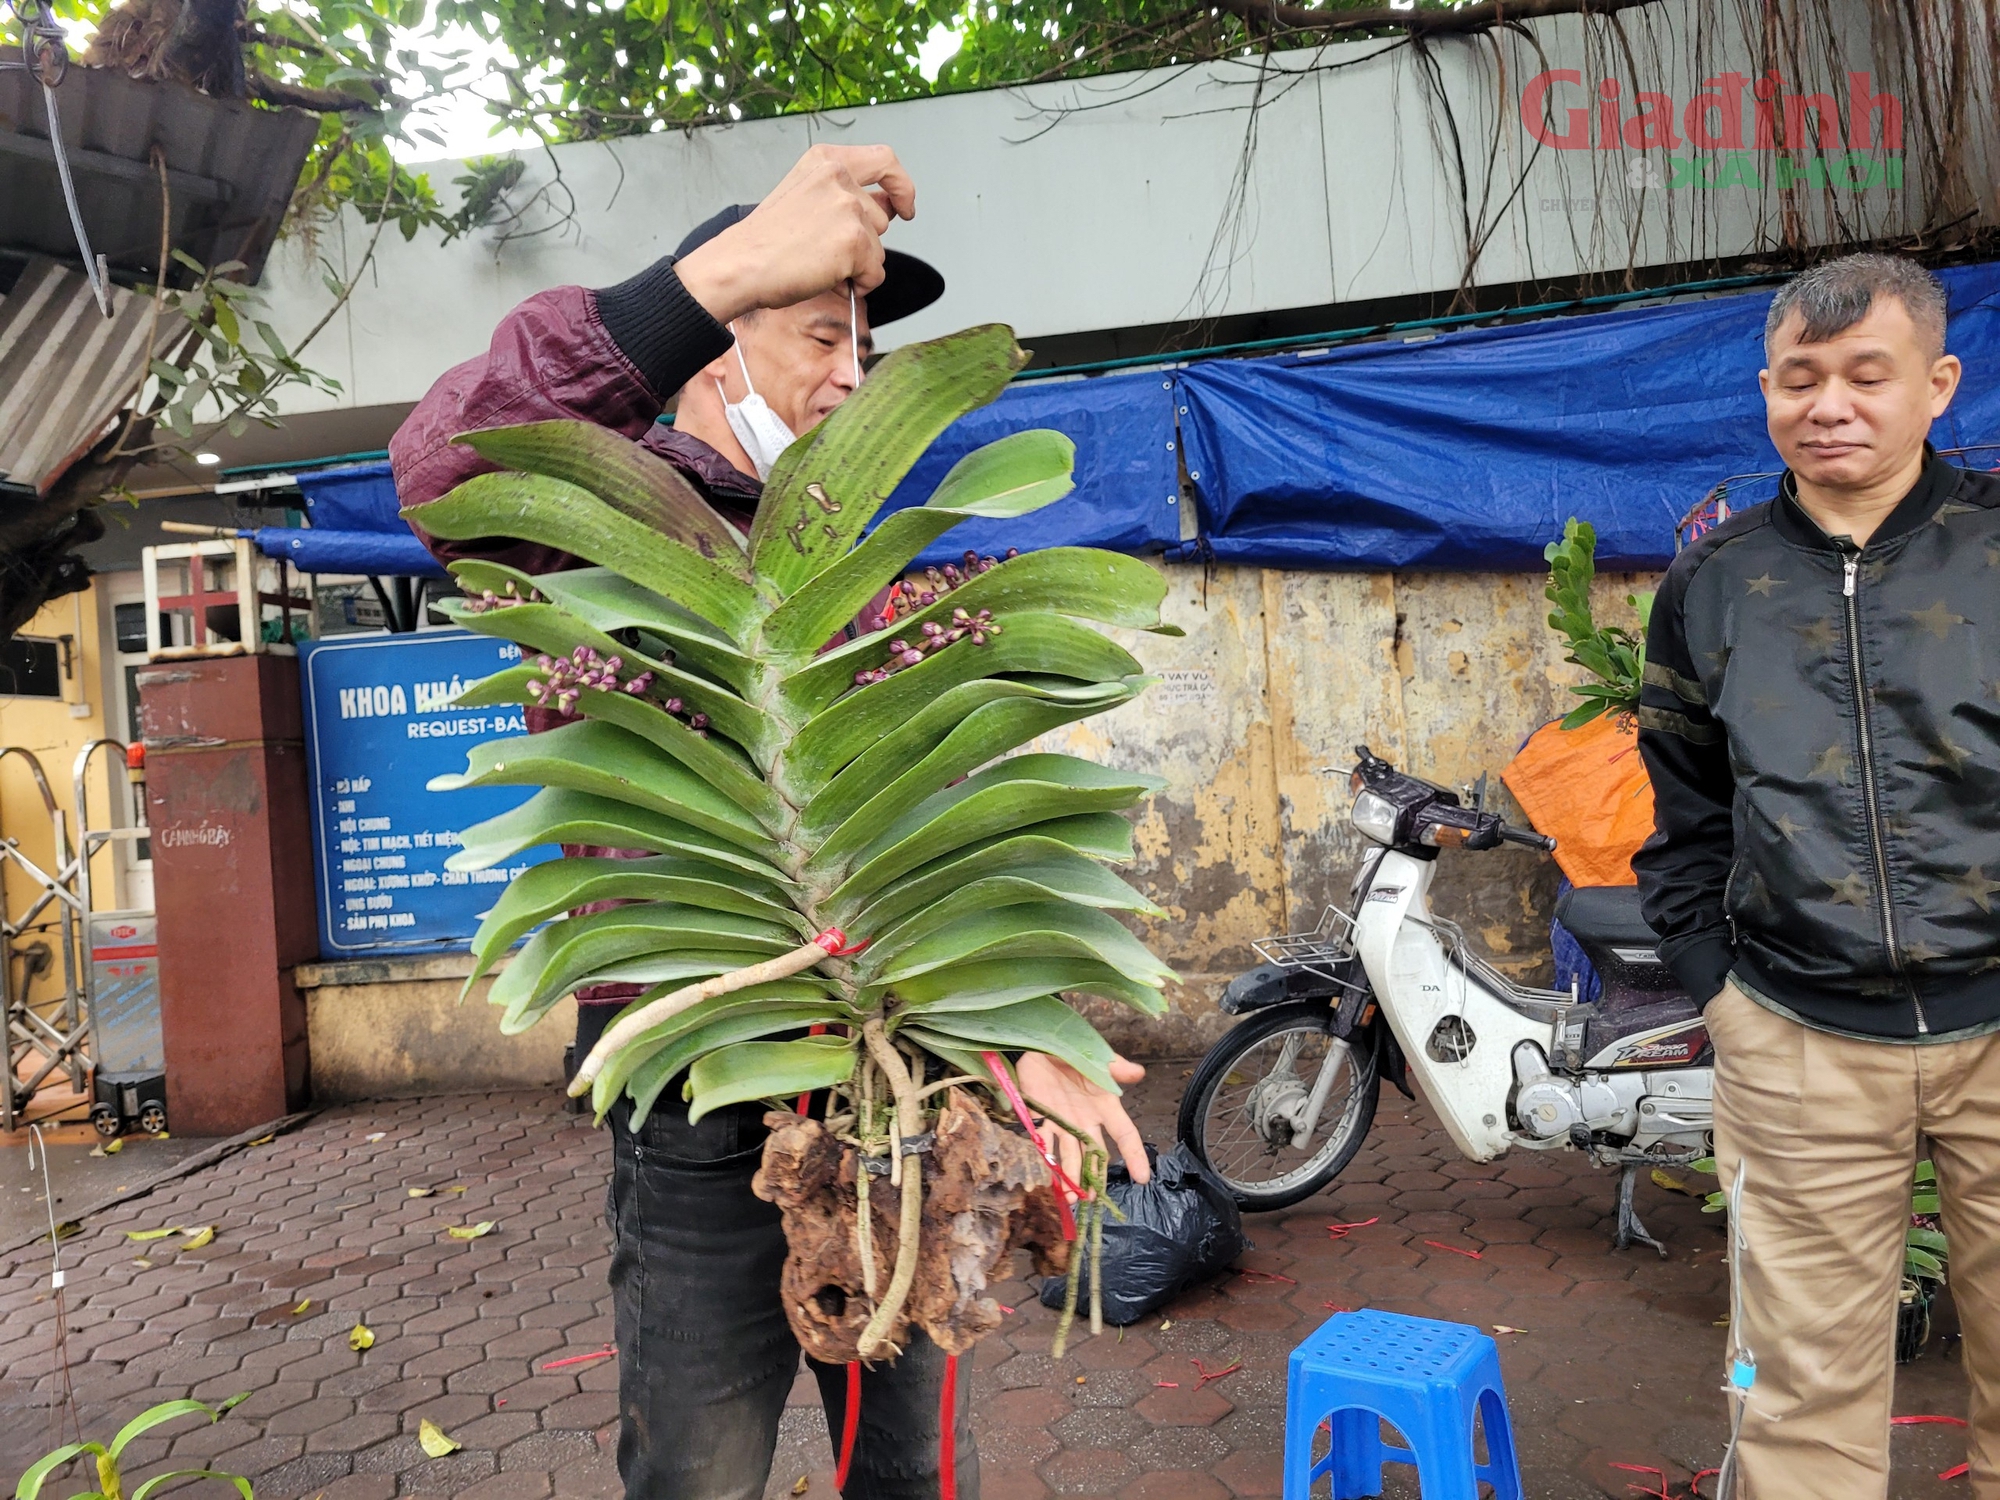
column 1605, row 916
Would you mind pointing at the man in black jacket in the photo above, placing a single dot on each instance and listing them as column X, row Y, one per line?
column 1821, row 720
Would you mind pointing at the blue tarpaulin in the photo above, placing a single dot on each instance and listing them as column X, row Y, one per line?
column 325, row 550
column 1127, row 485
column 1472, row 449
column 1468, row 450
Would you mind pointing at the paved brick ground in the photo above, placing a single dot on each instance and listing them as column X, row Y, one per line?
column 1618, row 1365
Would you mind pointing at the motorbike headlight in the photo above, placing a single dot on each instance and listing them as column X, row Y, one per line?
column 1375, row 816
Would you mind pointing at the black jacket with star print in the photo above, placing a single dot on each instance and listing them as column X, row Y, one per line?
column 1822, row 728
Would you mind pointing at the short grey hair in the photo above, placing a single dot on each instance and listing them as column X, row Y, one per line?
column 1836, row 294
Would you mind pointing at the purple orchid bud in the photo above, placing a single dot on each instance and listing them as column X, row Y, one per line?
column 926, row 597
column 910, row 658
column 614, row 663
column 698, row 722
column 673, row 705
column 978, row 637
column 1013, row 552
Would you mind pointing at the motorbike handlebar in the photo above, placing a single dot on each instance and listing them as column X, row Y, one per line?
column 1532, row 840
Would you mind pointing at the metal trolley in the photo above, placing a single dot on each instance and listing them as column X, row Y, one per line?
column 47, row 1038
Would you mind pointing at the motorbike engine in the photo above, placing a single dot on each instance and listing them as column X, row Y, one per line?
column 1548, row 1106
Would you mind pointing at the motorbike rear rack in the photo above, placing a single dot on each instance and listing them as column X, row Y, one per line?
column 1320, row 952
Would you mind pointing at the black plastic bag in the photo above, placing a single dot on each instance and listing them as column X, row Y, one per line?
column 1179, row 1229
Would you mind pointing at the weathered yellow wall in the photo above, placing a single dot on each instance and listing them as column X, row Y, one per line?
column 1281, row 674
column 48, row 729
column 386, row 1027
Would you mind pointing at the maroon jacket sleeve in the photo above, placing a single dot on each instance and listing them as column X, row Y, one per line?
column 610, row 357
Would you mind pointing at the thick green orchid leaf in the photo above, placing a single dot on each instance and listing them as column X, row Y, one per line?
column 1040, row 647
column 1015, row 794
column 1080, row 582
column 639, row 484
column 985, row 734
column 558, row 815
column 993, row 982
column 477, row 576
column 1043, row 1025
column 827, row 486
column 533, row 508
column 767, row 1070
column 604, row 601
column 653, row 1058
column 1044, row 645
column 1031, row 929
column 1080, row 880
column 1064, row 844
column 829, row 797
column 551, row 630
column 560, row 885
column 714, row 760
column 570, row 954
column 1012, row 477
column 601, row 759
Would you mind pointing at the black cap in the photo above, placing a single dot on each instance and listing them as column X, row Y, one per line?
column 908, row 284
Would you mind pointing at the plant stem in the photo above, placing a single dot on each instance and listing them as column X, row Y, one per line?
column 667, row 1007
column 909, row 1122
column 864, row 1231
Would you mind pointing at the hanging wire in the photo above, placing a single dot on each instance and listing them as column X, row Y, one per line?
column 45, row 53
column 38, row 1160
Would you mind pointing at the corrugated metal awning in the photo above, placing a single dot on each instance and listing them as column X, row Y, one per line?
column 231, row 168
column 65, row 370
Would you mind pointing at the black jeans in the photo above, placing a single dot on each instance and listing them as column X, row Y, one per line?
column 705, row 1356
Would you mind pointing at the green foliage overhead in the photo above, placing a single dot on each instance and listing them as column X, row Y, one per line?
column 1615, row 656
column 781, row 788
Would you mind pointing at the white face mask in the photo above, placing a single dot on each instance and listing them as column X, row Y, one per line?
column 761, row 431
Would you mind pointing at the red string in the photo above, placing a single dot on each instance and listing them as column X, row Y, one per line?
column 850, row 1423
column 948, row 1432
column 998, row 1066
column 836, row 944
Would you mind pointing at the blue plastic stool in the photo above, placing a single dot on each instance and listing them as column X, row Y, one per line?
column 1430, row 1379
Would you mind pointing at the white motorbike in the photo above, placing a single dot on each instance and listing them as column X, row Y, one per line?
column 1282, row 1103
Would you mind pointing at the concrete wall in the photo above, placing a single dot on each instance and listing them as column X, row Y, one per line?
column 1281, row 674
column 1306, row 179
column 384, row 1027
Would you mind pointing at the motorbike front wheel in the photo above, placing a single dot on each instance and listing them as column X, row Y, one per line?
column 1241, row 1112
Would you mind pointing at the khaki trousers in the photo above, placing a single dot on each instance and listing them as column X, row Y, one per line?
column 1828, row 1130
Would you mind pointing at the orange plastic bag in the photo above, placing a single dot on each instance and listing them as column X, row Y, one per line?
column 1588, row 789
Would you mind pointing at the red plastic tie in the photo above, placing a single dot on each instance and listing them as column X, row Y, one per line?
column 834, row 941
column 1659, row 1474
column 606, row 1352
column 1924, row 1421
column 948, row 1431
column 1958, row 1472
column 1468, row 1254
column 1341, row 1231
column 997, row 1065
column 1249, row 1275
column 1207, row 1374
column 850, row 1423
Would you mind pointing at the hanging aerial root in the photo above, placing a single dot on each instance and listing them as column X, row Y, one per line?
column 909, row 1122
column 621, row 1033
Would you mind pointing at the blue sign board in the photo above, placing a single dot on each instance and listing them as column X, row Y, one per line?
column 379, row 726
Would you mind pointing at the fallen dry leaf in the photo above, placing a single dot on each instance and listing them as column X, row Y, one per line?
column 1674, row 1184
column 432, row 1439
column 109, row 1148
column 422, row 1192
column 198, row 1237
column 380, row 1135
column 304, row 1303
column 360, row 1337
column 143, row 1264
column 1503, row 1328
column 263, row 1140
column 456, row 1187
column 162, row 1136
column 472, row 1231
column 153, row 1234
column 801, row 1484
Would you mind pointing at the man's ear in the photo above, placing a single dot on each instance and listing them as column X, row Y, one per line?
column 1945, row 374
